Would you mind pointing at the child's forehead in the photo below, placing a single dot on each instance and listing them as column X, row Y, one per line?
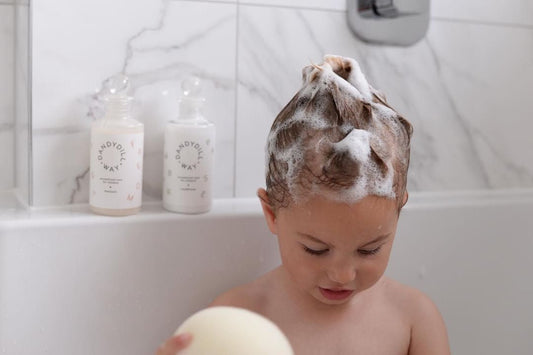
column 325, row 202
column 334, row 222
column 350, row 197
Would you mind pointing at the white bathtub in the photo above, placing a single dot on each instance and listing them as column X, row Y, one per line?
column 75, row 283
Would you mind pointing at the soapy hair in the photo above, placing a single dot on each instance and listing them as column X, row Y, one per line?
column 337, row 137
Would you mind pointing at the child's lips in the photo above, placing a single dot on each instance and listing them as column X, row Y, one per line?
column 335, row 294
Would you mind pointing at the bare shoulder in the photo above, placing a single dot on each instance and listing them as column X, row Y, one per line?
column 403, row 296
column 428, row 331
column 252, row 296
column 243, row 296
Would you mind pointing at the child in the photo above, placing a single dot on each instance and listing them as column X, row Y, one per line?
column 337, row 160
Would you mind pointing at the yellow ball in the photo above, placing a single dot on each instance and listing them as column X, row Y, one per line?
column 233, row 331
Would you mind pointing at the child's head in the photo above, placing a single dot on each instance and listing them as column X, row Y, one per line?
column 337, row 159
column 337, row 138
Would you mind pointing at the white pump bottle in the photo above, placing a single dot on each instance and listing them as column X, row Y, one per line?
column 189, row 155
column 116, row 154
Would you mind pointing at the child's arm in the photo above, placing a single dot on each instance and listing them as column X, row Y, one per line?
column 428, row 334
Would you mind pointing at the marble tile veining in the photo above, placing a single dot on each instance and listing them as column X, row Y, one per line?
column 157, row 44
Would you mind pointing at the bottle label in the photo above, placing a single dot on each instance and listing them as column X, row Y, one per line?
column 188, row 165
column 116, row 170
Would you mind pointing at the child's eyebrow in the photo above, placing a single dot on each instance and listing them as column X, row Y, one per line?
column 378, row 239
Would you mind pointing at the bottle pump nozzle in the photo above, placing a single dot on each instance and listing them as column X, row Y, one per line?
column 115, row 91
column 191, row 101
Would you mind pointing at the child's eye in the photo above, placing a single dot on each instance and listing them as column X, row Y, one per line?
column 369, row 252
column 315, row 252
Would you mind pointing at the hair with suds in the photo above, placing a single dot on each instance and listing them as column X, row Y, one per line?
column 337, row 137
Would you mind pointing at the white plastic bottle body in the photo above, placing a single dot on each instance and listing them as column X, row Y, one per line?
column 116, row 169
column 188, row 167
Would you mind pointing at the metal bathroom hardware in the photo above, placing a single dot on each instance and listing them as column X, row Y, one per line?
column 391, row 22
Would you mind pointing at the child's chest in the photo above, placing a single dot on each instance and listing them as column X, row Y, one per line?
column 385, row 340
column 370, row 332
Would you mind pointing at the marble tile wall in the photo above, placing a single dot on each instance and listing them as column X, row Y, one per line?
column 7, row 140
column 465, row 87
column 156, row 43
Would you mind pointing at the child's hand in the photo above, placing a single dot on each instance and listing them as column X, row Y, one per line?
column 175, row 344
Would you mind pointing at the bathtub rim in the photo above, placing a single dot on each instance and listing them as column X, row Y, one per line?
column 249, row 207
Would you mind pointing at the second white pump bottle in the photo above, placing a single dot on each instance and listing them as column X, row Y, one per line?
column 188, row 155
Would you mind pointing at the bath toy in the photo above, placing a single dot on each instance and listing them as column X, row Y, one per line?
column 233, row 331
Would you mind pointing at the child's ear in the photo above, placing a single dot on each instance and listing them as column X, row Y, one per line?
column 268, row 212
column 405, row 198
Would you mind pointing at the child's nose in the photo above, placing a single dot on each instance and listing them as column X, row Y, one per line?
column 342, row 273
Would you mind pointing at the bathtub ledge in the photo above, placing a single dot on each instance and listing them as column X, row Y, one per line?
column 239, row 207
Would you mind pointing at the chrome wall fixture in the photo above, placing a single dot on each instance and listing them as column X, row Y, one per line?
column 392, row 22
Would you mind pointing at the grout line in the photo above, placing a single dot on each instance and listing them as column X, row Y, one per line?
column 8, row 3
column 244, row 3
column 14, row 87
column 209, row 1
column 484, row 23
column 29, row 103
column 236, row 101
column 310, row 8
